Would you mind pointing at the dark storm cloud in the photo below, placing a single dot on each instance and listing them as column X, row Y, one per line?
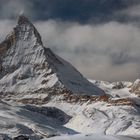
column 82, row 11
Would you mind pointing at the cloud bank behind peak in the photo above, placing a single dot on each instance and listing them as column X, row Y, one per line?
column 103, row 44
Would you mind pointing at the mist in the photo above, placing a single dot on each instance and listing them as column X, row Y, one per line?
column 104, row 51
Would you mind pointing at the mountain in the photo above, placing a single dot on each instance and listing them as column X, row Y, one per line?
column 28, row 66
column 44, row 96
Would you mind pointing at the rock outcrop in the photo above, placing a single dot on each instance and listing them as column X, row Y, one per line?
column 135, row 88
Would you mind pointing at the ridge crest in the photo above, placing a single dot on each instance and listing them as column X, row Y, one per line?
column 22, row 20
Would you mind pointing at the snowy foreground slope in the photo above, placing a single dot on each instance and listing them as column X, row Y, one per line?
column 45, row 97
column 73, row 121
column 94, row 137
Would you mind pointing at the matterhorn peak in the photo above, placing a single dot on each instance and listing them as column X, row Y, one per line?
column 26, row 66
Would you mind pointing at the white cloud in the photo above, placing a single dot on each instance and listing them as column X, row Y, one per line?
column 6, row 27
column 107, row 52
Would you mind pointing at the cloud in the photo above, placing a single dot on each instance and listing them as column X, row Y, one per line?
column 82, row 11
column 131, row 14
column 10, row 9
column 6, row 27
column 106, row 51
column 133, row 11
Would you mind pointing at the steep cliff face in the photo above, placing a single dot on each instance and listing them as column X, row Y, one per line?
column 27, row 66
column 135, row 88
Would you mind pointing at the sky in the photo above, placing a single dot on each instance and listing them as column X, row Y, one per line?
column 101, row 38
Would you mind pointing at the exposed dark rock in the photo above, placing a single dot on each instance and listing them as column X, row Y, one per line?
column 21, row 137
column 118, row 85
column 51, row 112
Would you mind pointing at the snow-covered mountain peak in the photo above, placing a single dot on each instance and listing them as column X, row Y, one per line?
column 28, row 66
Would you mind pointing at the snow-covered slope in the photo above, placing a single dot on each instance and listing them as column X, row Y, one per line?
column 32, row 122
column 94, row 137
column 93, row 120
column 26, row 65
column 118, row 116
